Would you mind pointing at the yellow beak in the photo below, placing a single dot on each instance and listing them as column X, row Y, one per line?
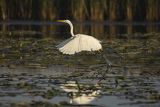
column 60, row 20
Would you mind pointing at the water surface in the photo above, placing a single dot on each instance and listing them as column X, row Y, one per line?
column 34, row 72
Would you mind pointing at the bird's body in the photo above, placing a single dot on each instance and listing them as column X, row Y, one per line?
column 78, row 42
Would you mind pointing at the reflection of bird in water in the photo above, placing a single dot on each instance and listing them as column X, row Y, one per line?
column 78, row 96
column 78, row 42
column 83, row 98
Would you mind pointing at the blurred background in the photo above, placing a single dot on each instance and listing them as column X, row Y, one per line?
column 100, row 18
column 34, row 73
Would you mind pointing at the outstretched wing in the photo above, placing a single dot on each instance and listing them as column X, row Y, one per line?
column 88, row 43
column 64, row 43
column 69, row 46
column 79, row 43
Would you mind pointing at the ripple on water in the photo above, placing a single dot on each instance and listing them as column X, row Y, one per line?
column 115, row 90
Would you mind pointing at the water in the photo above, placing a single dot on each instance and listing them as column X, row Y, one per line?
column 26, row 87
column 97, row 29
column 34, row 72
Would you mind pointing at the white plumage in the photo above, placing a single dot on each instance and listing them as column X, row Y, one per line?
column 78, row 42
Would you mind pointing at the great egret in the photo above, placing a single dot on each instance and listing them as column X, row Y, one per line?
column 78, row 42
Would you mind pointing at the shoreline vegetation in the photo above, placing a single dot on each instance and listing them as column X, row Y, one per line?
column 82, row 11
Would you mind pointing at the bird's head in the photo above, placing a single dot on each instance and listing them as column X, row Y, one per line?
column 64, row 21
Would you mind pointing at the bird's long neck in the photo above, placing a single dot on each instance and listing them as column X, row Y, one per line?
column 71, row 28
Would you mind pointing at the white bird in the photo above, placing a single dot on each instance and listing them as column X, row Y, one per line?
column 78, row 42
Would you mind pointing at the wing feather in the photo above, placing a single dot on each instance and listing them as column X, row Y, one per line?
column 79, row 43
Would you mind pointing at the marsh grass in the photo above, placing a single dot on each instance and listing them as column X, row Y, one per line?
column 100, row 11
column 42, row 53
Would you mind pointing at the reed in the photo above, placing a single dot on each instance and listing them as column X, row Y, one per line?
column 3, row 16
column 18, row 9
column 48, row 11
column 81, row 10
column 97, row 14
column 96, row 10
column 112, row 17
column 3, row 9
column 152, row 14
column 130, row 10
column 152, row 10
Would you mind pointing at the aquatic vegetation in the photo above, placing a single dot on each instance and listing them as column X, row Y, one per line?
column 25, row 85
column 45, row 89
column 51, row 93
column 41, row 53
column 32, row 70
